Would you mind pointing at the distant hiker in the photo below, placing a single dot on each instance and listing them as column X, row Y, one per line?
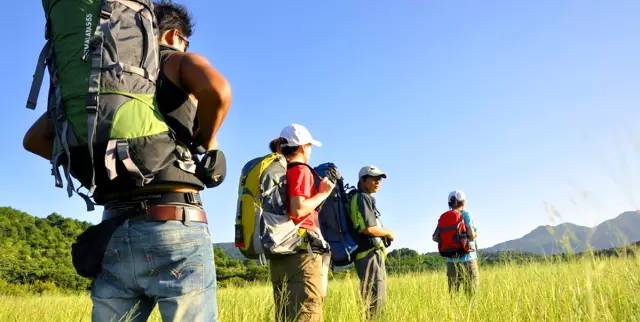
column 456, row 237
column 372, row 240
column 297, row 278
column 148, row 225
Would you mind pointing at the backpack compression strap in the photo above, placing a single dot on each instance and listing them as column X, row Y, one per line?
column 38, row 75
column 54, row 111
column 93, row 99
column 119, row 150
column 448, row 228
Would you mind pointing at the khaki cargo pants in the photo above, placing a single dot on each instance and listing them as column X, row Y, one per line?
column 465, row 274
column 298, row 287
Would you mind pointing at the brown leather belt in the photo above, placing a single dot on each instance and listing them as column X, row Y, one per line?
column 158, row 213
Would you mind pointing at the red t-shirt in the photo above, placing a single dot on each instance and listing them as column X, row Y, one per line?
column 301, row 183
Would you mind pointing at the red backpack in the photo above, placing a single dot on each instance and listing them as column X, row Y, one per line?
column 451, row 235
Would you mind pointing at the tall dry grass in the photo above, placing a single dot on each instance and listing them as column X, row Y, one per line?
column 587, row 289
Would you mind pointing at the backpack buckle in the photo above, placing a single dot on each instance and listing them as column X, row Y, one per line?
column 193, row 198
column 143, row 206
column 105, row 13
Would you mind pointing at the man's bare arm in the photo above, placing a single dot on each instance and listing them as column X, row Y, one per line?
column 377, row 231
column 211, row 89
column 39, row 138
column 300, row 206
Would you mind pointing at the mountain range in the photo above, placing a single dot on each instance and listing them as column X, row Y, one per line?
column 568, row 237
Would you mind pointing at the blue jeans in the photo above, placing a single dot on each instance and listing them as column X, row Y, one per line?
column 147, row 262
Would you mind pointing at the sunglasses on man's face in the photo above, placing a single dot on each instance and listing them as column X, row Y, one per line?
column 184, row 40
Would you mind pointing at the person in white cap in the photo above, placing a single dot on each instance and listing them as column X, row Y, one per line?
column 298, row 285
column 463, row 270
column 372, row 239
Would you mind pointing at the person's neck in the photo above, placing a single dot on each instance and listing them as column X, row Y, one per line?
column 297, row 158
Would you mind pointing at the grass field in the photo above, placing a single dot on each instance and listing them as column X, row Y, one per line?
column 582, row 290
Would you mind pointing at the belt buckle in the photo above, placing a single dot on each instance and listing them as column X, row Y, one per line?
column 132, row 210
column 142, row 210
column 186, row 218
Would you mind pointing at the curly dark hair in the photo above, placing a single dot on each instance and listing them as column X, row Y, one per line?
column 171, row 15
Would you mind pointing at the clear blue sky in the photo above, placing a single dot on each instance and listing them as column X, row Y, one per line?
column 531, row 108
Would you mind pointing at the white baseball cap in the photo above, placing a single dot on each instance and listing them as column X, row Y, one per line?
column 371, row 171
column 457, row 195
column 297, row 135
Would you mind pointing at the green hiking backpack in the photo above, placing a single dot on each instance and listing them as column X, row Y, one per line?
column 103, row 62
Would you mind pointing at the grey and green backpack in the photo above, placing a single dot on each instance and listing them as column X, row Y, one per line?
column 103, row 62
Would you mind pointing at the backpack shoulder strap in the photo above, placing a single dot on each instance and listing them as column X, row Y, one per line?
column 315, row 174
column 355, row 214
column 296, row 163
column 313, row 171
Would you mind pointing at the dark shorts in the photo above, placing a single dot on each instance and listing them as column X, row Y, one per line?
column 373, row 278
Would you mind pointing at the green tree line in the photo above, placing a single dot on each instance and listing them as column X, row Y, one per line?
column 35, row 252
column 35, row 257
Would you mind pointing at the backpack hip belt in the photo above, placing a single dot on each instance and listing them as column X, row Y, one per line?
column 184, row 198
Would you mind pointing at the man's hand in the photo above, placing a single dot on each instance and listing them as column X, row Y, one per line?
column 300, row 206
column 377, row 231
column 390, row 235
column 388, row 238
column 326, row 186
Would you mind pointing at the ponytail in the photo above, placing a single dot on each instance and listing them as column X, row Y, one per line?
column 276, row 144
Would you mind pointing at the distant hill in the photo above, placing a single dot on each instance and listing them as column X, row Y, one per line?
column 568, row 237
column 230, row 249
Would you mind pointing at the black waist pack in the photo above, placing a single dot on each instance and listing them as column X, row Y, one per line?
column 88, row 250
column 212, row 168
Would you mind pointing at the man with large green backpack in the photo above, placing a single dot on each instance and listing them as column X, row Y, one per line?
column 104, row 127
